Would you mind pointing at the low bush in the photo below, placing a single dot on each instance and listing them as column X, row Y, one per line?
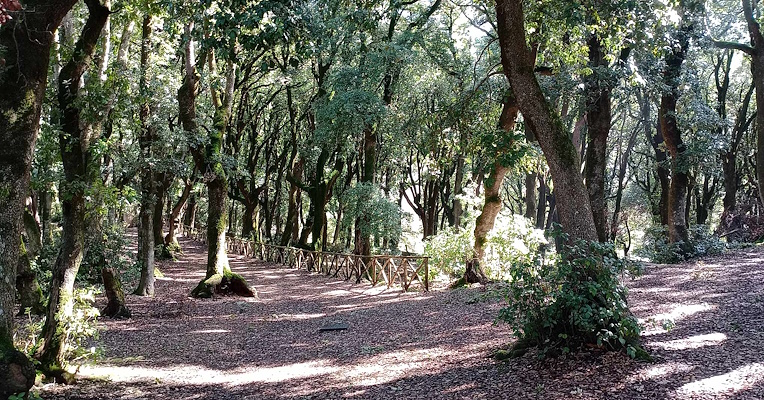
column 573, row 301
column 656, row 247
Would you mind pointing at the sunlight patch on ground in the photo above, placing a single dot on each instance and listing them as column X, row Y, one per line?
column 664, row 370
column 742, row 378
column 196, row 375
column 655, row 324
column 212, row 331
column 692, row 342
column 387, row 367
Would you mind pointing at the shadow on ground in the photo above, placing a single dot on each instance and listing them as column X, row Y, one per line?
column 704, row 323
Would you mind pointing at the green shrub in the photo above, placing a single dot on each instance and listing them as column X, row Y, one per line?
column 576, row 300
column 448, row 251
column 514, row 240
column 656, row 247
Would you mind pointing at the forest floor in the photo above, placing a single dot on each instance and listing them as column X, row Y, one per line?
column 704, row 324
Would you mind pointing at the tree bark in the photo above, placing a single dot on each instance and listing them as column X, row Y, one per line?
column 492, row 204
column 561, row 155
column 26, row 281
column 146, row 237
column 116, row 306
column 26, row 42
column 75, row 153
column 677, row 199
column 598, row 116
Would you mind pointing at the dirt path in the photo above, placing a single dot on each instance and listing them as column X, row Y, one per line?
column 419, row 345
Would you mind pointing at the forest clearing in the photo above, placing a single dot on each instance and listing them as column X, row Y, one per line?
column 703, row 326
column 381, row 198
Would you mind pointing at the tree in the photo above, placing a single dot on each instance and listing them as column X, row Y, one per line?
column 667, row 114
column 756, row 51
column 26, row 41
column 560, row 153
column 76, row 156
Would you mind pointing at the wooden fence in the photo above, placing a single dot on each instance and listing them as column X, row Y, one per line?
column 390, row 269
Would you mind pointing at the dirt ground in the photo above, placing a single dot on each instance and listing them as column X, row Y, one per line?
column 704, row 324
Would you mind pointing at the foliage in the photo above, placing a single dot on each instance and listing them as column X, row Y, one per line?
column 82, row 329
column 106, row 247
column 656, row 247
column 448, row 251
column 372, row 212
column 513, row 241
column 573, row 301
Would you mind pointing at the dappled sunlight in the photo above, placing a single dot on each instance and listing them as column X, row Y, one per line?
column 653, row 323
column 662, row 370
column 692, row 342
column 736, row 380
column 197, row 375
column 210, row 331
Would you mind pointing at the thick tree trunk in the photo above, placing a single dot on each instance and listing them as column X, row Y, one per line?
column 492, row 205
column 146, row 237
column 217, row 191
column 26, row 42
column 530, row 196
column 542, row 200
column 677, row 199
column 598, row 116
column 561, row 155
column 75, row 153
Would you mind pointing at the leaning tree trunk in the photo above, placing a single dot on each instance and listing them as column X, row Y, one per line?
column 146, row 238
column 26, row 42
column 560, row 153
column 75, row 153
column 492, row 206
column 116, row 306
column 170, row 241
column 677, row 199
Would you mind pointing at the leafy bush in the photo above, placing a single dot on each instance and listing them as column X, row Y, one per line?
column 448, row 251
column 514, row 240
column 573, row 301
column 81, row 331
column 656, row 246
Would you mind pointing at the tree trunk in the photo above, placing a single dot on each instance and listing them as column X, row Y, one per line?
column 26, row 281
column 146, row 237
column 656, row 142
column 116, row 307
column 170, row 240
column 291, row 224
column 677, row 199
column 598, row 116
column 26, row 42
column 561, row 155
column 189, row 216
column 492, row 205
column 75, row 153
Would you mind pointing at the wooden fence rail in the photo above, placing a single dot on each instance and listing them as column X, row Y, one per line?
column 390, row 269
